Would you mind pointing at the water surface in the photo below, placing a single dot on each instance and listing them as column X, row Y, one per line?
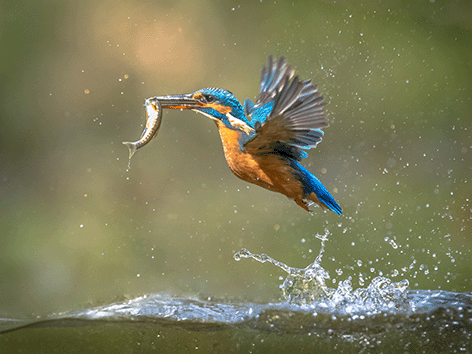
column 427, row 321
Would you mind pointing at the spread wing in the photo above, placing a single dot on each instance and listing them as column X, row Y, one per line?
column 288, row 113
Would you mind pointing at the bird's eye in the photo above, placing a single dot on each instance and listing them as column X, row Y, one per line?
column 209, row 98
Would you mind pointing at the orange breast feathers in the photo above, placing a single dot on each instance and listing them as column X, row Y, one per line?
column 270, row 171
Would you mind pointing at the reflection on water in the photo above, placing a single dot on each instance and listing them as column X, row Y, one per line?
column 383, row 317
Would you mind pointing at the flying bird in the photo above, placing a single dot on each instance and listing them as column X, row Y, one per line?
column 264, row 141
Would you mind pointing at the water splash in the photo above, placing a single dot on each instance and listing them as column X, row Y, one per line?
column 307, row 286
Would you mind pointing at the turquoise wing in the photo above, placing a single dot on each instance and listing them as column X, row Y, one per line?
column 288, row 114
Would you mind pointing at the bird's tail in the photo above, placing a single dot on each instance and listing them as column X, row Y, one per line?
column 315, row 191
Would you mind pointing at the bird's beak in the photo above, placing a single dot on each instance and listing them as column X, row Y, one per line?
column 178, row 101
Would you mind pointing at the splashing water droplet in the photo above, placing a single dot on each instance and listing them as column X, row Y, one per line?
column 308, row 285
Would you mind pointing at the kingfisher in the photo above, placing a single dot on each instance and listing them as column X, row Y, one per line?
column 264, row 141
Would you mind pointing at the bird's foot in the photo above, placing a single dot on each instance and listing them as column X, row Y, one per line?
column 305, row 204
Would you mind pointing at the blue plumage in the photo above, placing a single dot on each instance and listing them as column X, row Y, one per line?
column 313, row 184
column 287, row 119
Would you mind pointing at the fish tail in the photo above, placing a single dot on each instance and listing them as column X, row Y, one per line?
column 132, row 147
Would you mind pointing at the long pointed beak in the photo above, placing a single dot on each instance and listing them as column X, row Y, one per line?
column 177, row 101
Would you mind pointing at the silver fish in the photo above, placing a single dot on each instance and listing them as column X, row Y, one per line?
column 153, row 122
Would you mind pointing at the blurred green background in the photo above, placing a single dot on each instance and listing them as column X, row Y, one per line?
column 78, row 229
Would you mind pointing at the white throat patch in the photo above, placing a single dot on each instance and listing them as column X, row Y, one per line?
column 238, row 123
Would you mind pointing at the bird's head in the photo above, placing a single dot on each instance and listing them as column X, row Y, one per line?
column 215, row 103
